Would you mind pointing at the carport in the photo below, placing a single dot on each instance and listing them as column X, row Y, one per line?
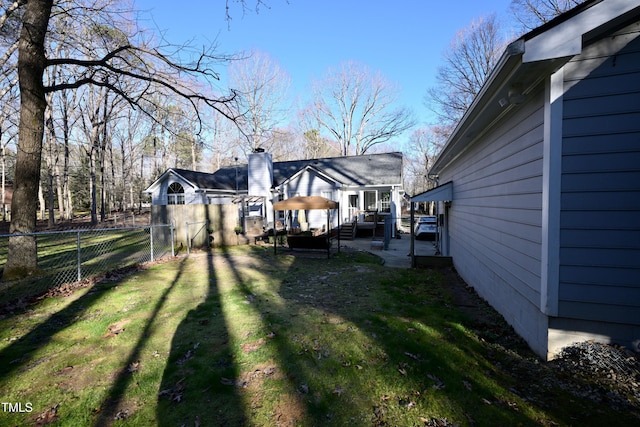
column 308, row 203
column 442, row 193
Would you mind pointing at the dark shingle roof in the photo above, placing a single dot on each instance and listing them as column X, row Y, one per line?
column 368, row 169
column 206, row 180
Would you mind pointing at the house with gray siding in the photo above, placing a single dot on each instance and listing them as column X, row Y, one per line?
column 539, row 200
column 370, row 182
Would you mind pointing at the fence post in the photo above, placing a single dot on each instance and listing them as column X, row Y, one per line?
column 79, row 256
column 173, row 249
column 151, row 241
column 188, row 241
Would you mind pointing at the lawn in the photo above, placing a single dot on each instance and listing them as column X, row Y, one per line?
column 243, row 337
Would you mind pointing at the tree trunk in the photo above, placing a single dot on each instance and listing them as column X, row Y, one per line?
column 51, row 157
column 4, row 206
column 92, row 183
column 22, row 256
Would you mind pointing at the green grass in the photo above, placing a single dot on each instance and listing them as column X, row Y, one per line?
column 246, row 338
column 101, row 251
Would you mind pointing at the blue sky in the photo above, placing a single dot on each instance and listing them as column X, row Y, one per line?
column 404, row 39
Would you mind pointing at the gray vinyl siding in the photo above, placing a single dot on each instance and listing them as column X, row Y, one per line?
column 495, row 218
column 310, row 183
column 600, row 186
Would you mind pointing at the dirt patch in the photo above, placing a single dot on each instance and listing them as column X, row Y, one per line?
column 588, row 370
column 250, row 347
column 255, row 379
column 116, row 328
column 289, row 411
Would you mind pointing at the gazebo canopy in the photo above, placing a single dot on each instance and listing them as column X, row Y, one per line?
column 304, row 202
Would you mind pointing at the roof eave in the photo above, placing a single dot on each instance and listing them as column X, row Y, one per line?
column 460, row 138
column 524, row 64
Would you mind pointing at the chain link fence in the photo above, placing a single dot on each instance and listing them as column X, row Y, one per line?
column 73, row 255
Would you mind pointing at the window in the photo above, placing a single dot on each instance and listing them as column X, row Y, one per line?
column 175, row 194
column 370, row 200
column 385, row 201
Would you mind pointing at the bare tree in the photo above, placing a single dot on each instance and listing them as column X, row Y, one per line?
column 121, row 57
column 8, row 135
column 262, row 87
column 472, row 54
column 424, row 145
column 314, row 144
column 356, row 107
column 224, row 144
column 533, row 13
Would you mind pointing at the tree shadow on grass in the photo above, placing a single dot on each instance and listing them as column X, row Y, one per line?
column 193, row 390
column 200, row 357
column 344, row 345
column 20, row 352
column 340, row 341
column 111, row 408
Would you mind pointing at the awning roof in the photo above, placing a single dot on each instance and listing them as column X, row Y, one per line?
column 304, row 202
column 442, row 193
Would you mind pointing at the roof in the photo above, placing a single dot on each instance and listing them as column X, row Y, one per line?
column 205, row 181
column 529, row 60
column 364, row 170
column 367, row 169
column 441, row 193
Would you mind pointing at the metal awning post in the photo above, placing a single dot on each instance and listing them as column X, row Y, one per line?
column 412, row 246
column 328, row 236
column 338, row 210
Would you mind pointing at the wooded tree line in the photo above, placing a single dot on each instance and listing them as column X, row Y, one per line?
column 94, row 108
column 465, row 65
column 117, row 114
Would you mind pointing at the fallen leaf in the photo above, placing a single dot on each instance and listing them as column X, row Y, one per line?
column 227, row 381
column 175, row 392
column 121, row 415
column 413, row 356
column 48, row 416
column 269, row 371
column 188, row 355
column 467, row 385
column 438, row 382
column 133, row 367
column 338, row 390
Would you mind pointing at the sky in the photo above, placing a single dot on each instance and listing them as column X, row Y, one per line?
column 403, row 39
